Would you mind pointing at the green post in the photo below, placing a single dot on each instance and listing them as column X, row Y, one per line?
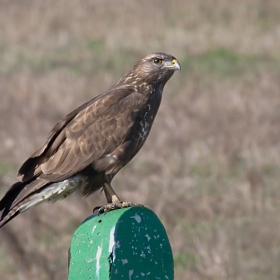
column 129, row 243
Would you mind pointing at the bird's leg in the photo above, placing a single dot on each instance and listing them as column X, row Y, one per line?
column 110, row 194
column 113, row 201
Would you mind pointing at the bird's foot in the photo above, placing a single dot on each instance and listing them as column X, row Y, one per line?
column 114, row 206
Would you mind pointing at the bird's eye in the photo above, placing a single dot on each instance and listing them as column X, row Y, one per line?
column 158, row 60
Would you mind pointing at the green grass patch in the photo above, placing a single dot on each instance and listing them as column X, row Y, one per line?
column 222, row 62
column 90, row 55
column 7, row 167
column 186, row 259
column 96, row 46
column 84, row 58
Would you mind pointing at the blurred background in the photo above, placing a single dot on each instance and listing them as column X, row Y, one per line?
column 210, row 168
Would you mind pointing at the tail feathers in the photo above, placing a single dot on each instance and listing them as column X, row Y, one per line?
column 23, row 195
column 6, row 208
column 16, row 197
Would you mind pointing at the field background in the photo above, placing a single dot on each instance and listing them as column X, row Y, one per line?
column 210, row 168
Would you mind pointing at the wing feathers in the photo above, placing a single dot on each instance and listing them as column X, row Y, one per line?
column 85, row 136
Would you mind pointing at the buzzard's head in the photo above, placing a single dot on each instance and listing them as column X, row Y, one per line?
column 153, row 69
column 157, row 66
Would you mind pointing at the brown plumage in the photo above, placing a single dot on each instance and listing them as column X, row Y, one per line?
column 90, row 145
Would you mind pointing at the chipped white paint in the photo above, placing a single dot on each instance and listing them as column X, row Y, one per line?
column 124, row 261
column 112, row 242
column 130, row 273
column 145, row 274
column 93, row 229
column 117, row 244
column 148, row 237
column 98, row 255
column 142, row 254
column 137, row 218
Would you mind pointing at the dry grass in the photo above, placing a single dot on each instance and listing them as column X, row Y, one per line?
column 210, row 168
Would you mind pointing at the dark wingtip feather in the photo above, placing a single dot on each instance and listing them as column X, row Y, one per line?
column 6, row 202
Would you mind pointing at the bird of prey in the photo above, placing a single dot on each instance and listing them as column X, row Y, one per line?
column 87, row 148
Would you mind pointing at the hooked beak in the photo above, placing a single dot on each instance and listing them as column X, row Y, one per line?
column 173, row 65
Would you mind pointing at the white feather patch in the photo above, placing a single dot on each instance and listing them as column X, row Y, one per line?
column 53, row 192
